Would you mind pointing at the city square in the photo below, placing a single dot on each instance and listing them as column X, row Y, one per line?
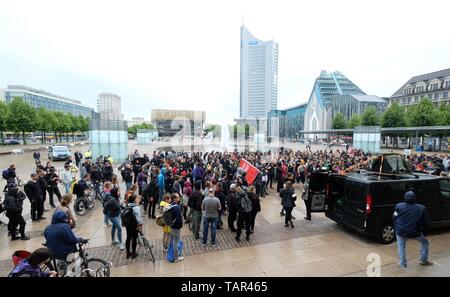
column 194, row 142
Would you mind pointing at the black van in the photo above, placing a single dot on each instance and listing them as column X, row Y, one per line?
column 365, row 201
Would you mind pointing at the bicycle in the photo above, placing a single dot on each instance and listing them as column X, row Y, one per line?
column 81, row 266
column 87, row 201
column 142, row 241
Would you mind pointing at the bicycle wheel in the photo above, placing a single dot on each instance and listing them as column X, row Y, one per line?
column 95, row 267
column 91, row 203
column 80, row 207
column 148, row 248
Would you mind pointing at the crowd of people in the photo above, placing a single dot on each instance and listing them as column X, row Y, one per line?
column 174, row 189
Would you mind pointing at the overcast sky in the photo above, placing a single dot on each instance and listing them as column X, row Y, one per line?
column 185, row 54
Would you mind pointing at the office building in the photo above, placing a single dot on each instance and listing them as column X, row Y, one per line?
column 258, row 76
column 169, row 122
column 349, row 105
column 109, row 107
column 286, row 123
column 39, row 98
column 434, row 86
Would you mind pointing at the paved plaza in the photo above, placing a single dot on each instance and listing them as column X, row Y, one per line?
column 313, row 248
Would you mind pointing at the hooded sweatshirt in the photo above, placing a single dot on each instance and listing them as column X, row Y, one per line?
column 60, row 238
column 410, row 218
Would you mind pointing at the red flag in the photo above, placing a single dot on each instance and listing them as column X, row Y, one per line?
column 251, row 170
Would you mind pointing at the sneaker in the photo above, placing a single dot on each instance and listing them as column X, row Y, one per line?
column 213, row 245
column 179, row 259
column 115, row 242
column 204, row 244
column 247, row 238
column 134, row 256
column 308, row 219
column 25, row 237
column 46, row 210
column 165, row 250
column 15, row 238
column 42, row 218
column 122, row 246
column 282, row 214
column 293, row 217
column 426, row 263
column 128, row 256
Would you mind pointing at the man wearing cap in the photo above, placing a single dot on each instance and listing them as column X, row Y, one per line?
column 34, row 193
column 411, row 221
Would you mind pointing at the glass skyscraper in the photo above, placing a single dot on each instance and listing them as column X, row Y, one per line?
column 259, row 76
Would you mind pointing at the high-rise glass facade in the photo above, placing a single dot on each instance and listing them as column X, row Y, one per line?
column 38, row 98
column 258, row 76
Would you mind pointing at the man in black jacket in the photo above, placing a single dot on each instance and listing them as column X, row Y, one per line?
column 127, row 176
column 52, row 180
column 14, row 206
column 197, row 200
column 232, row 206
column 151, row 193
column 34, row 194
column 43, row 184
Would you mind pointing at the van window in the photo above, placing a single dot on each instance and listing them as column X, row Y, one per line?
column 445, row 188
column 426, row 191
column 356, row 191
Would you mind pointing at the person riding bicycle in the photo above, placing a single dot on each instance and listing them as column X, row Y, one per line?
column 81, row 186
column 60, row 238
column 31, row 266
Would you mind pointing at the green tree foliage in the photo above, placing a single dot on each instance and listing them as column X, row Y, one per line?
column 133, row 129
column 3, row 119
column 354, row 121
column 370, row 117
column 339, row 121
column 21, row 117
column 394, row 116
column 443, row 115
column 422, row 114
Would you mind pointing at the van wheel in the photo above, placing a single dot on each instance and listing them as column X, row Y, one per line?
column 386, row 234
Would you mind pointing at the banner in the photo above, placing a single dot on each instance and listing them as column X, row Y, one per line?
column 251, row 170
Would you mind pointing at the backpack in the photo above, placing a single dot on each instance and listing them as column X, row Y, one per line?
column 106, row 197
column 168, row 216
column 246, row 204
column 5, row 174
column 127, row 217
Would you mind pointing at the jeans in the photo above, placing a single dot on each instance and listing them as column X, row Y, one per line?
column 175, row 238
column 106, row 219
column 116, row 227
column 196, row 223
column 424, row 247
column 67, row 186
column 206, row 222
column 128, row 185
column 161, row 194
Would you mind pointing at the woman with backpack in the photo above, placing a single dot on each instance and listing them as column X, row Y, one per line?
column 132, row 221
column 288, row 198
column 112, row 210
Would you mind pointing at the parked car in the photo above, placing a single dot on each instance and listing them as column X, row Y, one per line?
column 12, row 141
column 365, row 201
column 58, row 152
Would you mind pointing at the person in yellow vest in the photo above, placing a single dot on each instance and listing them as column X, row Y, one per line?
column 88, row 154
column 110, row 160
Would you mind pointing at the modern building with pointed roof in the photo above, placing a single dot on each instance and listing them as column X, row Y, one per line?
column 318, row 113
column 434, row 85
column 258, row 76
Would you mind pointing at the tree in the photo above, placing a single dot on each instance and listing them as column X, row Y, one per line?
column 422, row 114
column 3, row 119
column 62, row 124
column 133, row 129
column 394, row 116
column 443, row 115
column 46, row 122
column 21, row 117
column 354, row 121
column 370, row 117
column 84, row 123
column 339, row 121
